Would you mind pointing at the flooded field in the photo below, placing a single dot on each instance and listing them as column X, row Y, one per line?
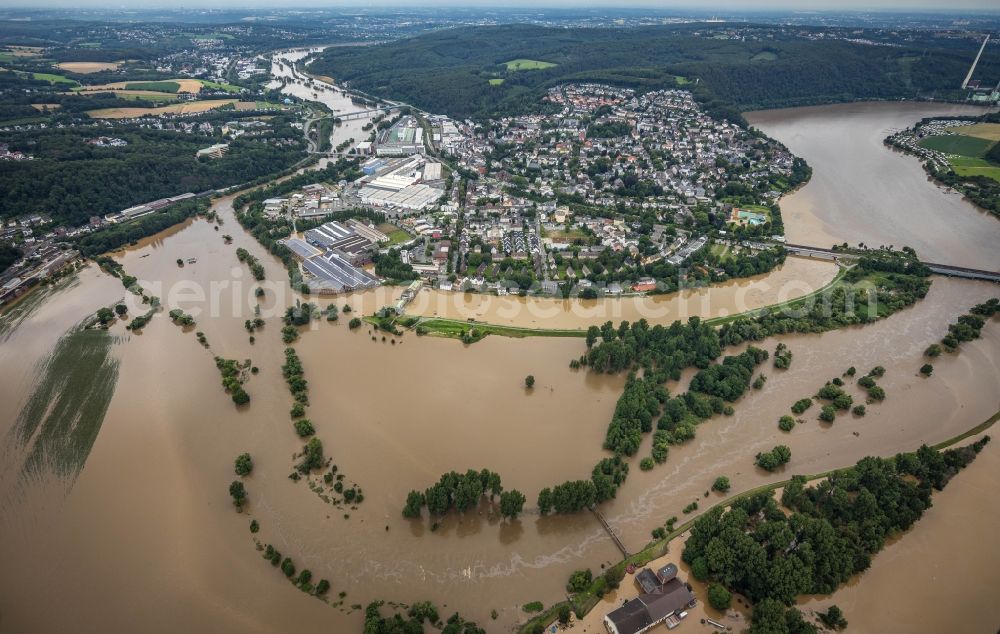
column 797, row 277
column 863, row 192
column 148, row 539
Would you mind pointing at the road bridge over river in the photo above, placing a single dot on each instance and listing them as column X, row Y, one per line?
column 939, row 269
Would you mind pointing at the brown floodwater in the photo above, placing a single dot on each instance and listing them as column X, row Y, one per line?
column 795, row 278
column 948, row 563
column 147, row 539
column 862, row 192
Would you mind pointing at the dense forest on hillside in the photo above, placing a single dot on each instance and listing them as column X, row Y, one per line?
column 449, row 71
column 108, row 42
column 72, row 180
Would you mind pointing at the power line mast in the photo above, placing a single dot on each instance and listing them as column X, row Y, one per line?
column 968, row 77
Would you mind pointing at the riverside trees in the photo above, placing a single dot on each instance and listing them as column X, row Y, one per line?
column 967, row 327
column 833, row 530
column 243, row 464
column 771, row 460
column 234, row 375
column 464, row 491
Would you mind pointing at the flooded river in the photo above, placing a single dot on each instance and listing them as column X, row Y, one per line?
column 296, row 83
column 862, row 192
column 146, row 538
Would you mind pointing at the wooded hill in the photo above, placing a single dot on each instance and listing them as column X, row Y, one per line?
column 449, row 71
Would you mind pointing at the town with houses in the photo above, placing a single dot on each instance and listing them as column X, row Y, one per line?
column 608, row 193
column 594, row 196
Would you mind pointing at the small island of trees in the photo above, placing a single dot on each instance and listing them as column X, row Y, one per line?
column 771, row 460
column 243, row 464
column 234, row 375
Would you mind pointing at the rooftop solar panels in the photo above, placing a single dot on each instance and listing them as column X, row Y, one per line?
column 329, row 234
column 302, row 248
column 334, row 273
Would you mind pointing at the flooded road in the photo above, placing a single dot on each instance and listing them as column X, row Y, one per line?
column 148, row 539
column 861, row 191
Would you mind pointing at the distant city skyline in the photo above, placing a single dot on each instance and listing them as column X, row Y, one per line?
column 795, row 6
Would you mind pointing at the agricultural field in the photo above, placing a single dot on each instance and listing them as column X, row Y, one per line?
column 764, row 56
column 184, row 85
column 214, row 85
column 53, row 78
column 528, row 64
column 967, row 149
column 154, row 86
column 988, row 131
column 496, row 81
column 22, row 51
column 85, row 68
column 968, row 166
column 145, row 95
column 190, row 107
column 958, row 144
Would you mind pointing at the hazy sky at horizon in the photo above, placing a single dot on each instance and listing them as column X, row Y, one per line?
column 707, row 7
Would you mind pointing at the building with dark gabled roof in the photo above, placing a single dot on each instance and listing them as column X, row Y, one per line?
column 647, row 581
column 650, row 609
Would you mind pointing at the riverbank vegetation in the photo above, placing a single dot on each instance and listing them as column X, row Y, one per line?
column 463, row 492
column 967, row 328
column 256, row 268
column 181, row 318
column 303, row 581
column 965, row 156
column 880, row 284
column 417, row 615
column 243, row 464
column 234, row 375
column 586, row 597
column 126, row 233
column 771, row 460
column 834, row 529
column 782, row 357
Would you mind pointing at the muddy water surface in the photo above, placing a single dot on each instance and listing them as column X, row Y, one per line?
column 861, row 191
column 948, row 562
column 147, row 538
column 797, row 277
